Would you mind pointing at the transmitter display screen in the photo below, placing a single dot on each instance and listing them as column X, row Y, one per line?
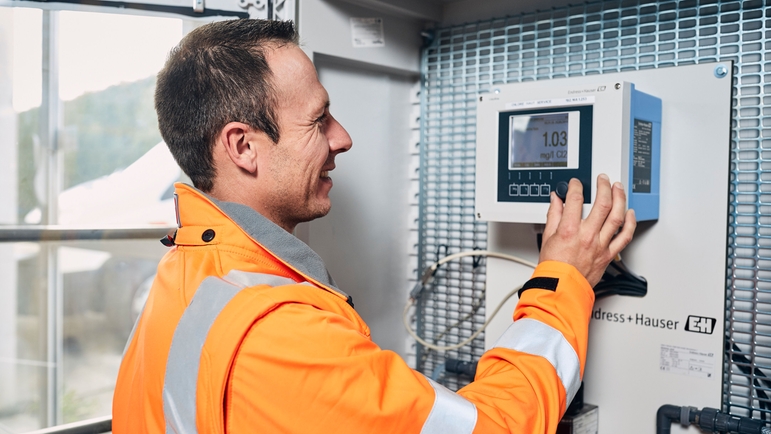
column 548, row 140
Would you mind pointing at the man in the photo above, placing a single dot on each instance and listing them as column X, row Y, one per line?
column 244, row 330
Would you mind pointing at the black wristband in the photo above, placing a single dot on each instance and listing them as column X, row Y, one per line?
column 547, row 283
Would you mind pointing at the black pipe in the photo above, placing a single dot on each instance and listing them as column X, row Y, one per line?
column 456, row 366
column 667, row 414
column 712, row 420
column 708, row 420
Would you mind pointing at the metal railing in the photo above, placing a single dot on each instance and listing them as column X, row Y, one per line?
column 89, row 426
column 12, row 234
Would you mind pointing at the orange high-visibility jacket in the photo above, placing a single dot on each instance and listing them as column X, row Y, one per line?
column 244, row 331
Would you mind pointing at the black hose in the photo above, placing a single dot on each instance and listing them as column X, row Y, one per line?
column 708, row 420
column 741, row 360
column 456, row 366
column 712, row 420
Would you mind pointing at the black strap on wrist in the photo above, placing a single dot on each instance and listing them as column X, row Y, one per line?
column 547, row 283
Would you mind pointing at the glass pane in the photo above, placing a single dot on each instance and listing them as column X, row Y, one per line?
column 20, row 131
column 105, row 285
column 106, row 87
column 107, row 98
column 116, row 172
column 66, row 309
column 22, row 366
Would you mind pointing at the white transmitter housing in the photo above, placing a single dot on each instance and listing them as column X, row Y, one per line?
column 533, row 137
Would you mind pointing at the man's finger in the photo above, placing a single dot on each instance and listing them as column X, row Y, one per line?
column 625, row 235
column 553, row 216
column 603, row 202
column 574, row 203
column 616, row 216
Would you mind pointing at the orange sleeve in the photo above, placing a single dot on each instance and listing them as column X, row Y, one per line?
column 515, row 386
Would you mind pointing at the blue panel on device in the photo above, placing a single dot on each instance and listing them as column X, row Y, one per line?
column 645, row 155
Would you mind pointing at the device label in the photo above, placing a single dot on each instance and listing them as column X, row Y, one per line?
column 700, row 324
column 687, row 361
column 642, row 156
column 587, row 423
column 551, row 102
column 636, row 318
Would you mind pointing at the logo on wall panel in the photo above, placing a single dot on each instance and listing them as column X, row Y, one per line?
column 700, row 324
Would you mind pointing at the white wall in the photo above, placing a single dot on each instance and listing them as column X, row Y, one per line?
column 325, row 29
column 8, row 199
column 364, row 239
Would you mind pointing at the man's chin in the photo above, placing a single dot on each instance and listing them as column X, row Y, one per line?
column 316, row 213
column 323, row 212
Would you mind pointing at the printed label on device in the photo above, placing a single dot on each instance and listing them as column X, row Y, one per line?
column 587, row 423
column 687, row 361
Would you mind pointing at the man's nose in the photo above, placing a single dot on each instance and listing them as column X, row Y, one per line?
column 339, row 140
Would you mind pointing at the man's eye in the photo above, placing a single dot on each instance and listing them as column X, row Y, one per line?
column 321, row 119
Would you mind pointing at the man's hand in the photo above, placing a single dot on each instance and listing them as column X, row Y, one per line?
column 589, row 245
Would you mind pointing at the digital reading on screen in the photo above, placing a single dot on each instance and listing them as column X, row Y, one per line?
column 548, row 140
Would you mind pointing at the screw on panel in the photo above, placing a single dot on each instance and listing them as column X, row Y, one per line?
column 617, row 86
column 479, row 215
column 721, row 71
column 497, row 91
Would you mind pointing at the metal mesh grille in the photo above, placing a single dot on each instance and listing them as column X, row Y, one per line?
column 596, row 38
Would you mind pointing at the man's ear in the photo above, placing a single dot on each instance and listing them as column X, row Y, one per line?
column 241, row 143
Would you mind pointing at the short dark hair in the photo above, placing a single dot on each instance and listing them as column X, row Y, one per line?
column 217, row 74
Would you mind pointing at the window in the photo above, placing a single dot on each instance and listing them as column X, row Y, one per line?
column 86, row 191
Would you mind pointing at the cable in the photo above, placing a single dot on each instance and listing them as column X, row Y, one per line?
column 486, row 253
column 426, row 277
column 618, row 279
column 438, row 371
column 464, row 342
column 429, row 272
column 739, row 358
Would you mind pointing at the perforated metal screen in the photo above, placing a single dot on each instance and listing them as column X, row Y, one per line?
column 596, row 38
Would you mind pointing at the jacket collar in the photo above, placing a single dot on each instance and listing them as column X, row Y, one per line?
column 283, row 245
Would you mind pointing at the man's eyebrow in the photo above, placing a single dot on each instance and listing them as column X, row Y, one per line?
column 324, row 108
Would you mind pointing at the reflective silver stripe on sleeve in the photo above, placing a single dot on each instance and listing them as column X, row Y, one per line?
column 451, row 413
column 246, row 279
column 534, row 337
column 181, row 380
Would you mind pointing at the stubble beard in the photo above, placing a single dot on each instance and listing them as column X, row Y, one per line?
column 290, row 210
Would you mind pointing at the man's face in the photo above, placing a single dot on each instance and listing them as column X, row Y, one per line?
column 297, row 173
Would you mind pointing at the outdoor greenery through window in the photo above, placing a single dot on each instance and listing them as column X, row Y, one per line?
column 80, row 148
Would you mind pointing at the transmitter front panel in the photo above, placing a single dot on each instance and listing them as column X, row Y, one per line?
column 534, row 137
column 540, row 150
